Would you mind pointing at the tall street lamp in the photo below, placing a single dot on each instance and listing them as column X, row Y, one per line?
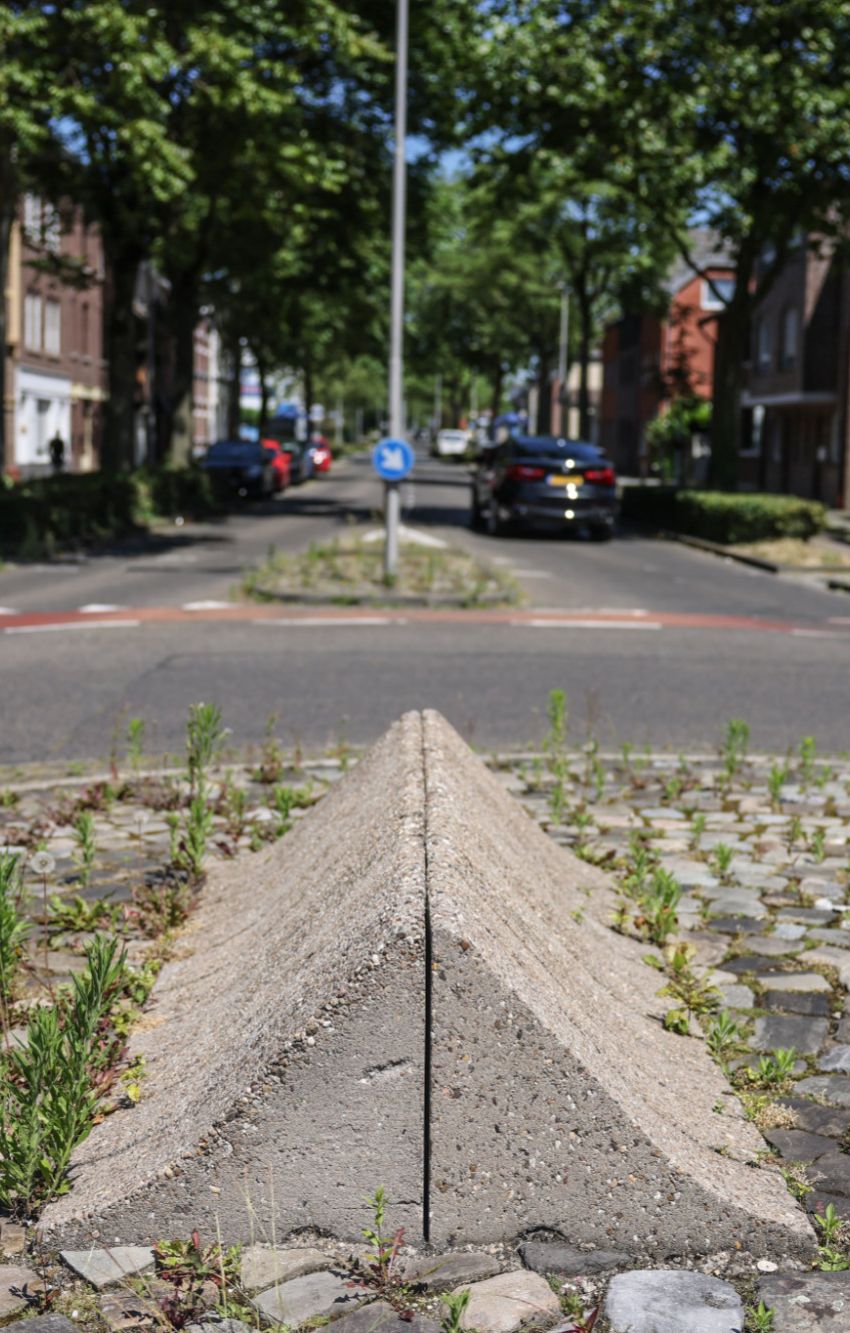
column 396, row 369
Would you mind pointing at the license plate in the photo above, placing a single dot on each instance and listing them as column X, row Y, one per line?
column 559, row 479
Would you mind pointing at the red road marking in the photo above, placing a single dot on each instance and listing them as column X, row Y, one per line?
column 292, row 614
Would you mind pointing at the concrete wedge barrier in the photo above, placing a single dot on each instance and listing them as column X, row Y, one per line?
column 418, row 988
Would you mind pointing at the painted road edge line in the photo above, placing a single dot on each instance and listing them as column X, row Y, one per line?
column 334, row 622
column 588, row 624
column 72, row 625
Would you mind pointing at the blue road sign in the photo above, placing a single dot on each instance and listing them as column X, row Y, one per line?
column 393, row 459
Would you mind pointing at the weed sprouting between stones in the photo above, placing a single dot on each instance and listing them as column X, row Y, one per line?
column 85, row 853
column 834, row 1244
column 382, row 1258
column 135, row 742
column 760, row 1319
column 50, row 1086
column 455, row 1303
column 14, row 929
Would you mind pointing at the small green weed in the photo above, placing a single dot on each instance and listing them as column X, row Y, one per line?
column 455, row 1303
column 135, row 742
column 385, row 1246
column 735, row 744
column 85, row 851
column 759, row 1319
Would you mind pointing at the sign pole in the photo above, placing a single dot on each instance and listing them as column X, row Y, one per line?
column 392, row 497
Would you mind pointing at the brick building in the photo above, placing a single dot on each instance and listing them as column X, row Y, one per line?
column 648, row 359
column 796, row 403
column 55, row 372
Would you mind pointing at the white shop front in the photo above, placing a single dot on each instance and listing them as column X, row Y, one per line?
column 42, row 407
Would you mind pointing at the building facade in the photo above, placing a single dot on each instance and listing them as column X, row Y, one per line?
column 795, row 401
column 647, row 359
column 55, row 369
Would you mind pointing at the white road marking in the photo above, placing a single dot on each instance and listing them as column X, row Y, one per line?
column 73, row 625
column 8, row 611
column 209, row 605
column 838, row 620
column 820, row 634
column 532, row 573
column 92, row 607
column 333, row 622
column 407, row 534
column 590, row 624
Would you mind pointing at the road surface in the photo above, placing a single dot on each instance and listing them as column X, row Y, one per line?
column 654, row 643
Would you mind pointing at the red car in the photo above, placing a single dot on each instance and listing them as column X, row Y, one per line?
column 321, row 451
column 281, row 464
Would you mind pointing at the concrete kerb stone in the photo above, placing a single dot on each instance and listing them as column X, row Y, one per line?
column 419, row 907
column 284, row 1047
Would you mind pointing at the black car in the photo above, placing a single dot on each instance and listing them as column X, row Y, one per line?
column 544, row 482
column 241, row 467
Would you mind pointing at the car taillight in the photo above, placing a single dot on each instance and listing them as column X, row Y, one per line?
column 524, row 472
column 600, row 476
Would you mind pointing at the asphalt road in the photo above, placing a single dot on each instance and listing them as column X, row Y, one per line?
column 686, row 641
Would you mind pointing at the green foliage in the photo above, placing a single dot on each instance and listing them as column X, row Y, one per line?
column 657, row 918
column 455, row 1303
column 760, row 1319
column 385, row 1246
column 723, row 1036
column 205, row 735
column 48, row 1086
column 135, row 742
column 85, row 851
column 723, row 517
column 14, row 926
column 735, row 745
column 46, row 514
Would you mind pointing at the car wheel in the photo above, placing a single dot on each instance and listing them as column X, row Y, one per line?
column 495, row 526
column 601, row 532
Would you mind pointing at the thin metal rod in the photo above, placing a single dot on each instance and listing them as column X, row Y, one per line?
column 563, row 415
column 392, row 498
column 396, row 391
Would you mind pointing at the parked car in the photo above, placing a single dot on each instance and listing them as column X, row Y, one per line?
column 451, row 443
column 243, row 467
column 544, row 482
column 321, row 454
column 281, row 463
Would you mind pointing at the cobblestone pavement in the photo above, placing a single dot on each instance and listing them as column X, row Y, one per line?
column 735, row 870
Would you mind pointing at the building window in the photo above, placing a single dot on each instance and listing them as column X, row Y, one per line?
column 763, row 353
column 789, row 338
column 32, row 322
column 717, row 294
column 52, row 328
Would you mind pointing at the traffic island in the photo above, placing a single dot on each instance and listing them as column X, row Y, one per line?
column 418, row 988
column 349, row 571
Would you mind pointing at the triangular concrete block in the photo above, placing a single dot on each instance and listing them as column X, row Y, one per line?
column 400, row 993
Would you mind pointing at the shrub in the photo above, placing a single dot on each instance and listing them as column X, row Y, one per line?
column 724, row 518
column 38, row 517
column 719, row 516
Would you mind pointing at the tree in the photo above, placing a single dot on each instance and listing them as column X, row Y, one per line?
column 25, row 77
column 182, row 119
column 734, row 115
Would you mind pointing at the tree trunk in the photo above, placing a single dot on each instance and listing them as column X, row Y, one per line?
column 308, row 385
column 730, row 352
column 234, row 360
column 264, row 394
column 119, row 337
column 179, row 427
column 8, row 207
column 584, row 344
column 544, row 396
column 496, row 388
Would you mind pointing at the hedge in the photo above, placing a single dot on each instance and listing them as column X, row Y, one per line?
column 722, row 517
column 77, row 510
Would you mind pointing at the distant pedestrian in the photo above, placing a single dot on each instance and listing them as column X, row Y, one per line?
column 57, row 452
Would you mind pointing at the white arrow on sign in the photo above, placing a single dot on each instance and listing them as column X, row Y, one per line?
column 393, row 459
